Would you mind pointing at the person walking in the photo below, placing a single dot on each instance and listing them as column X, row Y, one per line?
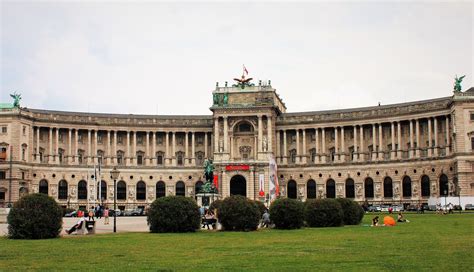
column 265, row 219
column 106, row 216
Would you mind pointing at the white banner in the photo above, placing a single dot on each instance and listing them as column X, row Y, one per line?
column 261, row 185
column 273, row 177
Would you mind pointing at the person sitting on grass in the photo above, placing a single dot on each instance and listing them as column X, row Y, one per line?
column 77, row 226
column 400, row 218
column 375, row 221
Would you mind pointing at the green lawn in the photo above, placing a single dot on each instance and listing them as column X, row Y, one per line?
column 428, row 242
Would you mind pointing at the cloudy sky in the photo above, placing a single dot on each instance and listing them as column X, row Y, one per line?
column 165, row 58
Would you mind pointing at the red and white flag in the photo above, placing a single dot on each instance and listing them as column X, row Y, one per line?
column 261, row 182
column 245, row 71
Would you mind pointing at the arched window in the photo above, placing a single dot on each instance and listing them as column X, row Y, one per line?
column 62, row 189
column 160, row 189
column 103, row 190
column 121, row 190
column 406, row 186
column 180, row 189
column 330, row 188
column 369, row 188
column 82, row 190
column 141, row 190
column 43, row 187
column 350, row 190
column 443, row 185
column 291, row 189
column 311, row 189
column 387, row 187
column 425, row 186
column 197, row 187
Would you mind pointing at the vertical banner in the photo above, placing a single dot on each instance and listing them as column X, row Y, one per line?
column 261, row 185
column 273, row 185
column 216, row 182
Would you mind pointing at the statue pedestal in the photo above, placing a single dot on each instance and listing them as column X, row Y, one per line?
column 206, row 199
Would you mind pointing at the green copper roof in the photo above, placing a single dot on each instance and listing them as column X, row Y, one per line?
column 6, row 106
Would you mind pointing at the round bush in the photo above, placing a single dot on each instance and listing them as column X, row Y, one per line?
column 323, row 213
column 352, row 211
column 35, row 216
column 260, row 206
column 215, row 205
column 239, row 214
column 174, row 214
column 287, row 213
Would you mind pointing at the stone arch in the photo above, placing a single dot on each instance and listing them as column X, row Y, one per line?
column 82, row 190
column 140, row 190
column 180, row 189
column 350, row 188
column 369, row 187
column 387, row 187
column 62, row 189
column 43, row 187
column 443, row 185
column 330, row 188
column 291, row 189
column 121, row 190
column 238, row 185
column 311, row 189
column 198, row 186
column 406, row 186
column 425, row 186
column 160, row 189
column 236, row 126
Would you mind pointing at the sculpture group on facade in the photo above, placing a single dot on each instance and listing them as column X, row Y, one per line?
column 457, row 83
column 208, row 186
column 16, row 99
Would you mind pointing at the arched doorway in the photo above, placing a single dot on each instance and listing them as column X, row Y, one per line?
column 425, row 186
column 311, row 189
column 291, row 189
column 387, row 187
column 443, row 185
column 43, row 187
column 180, row 188
column 82, row 190
column 160, row 189
column 331, row 188
column 62, row 190
column 121, row 190
column 238, row 185
column 350, row 190
column 369, row 188
column 141, row 190
column 406, row 186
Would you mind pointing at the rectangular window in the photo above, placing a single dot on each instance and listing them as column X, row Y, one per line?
column 159, row 160
column 472, row 143
column 472, row 116
column 4, row 129
column 140, row 159
column 2, row 196
column 24, row 130
column 100, row 138
column 2, row 175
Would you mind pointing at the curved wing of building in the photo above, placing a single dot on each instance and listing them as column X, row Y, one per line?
column 411, row 153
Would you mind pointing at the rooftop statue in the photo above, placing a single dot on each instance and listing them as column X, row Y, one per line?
column 16, row 99
column 243, row 82
column 457, row 83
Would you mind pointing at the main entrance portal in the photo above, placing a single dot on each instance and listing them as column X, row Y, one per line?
column 238, row 185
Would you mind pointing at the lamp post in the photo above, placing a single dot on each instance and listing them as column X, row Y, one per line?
column 115, row 174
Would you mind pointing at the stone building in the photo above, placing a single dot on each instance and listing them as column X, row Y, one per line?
column 402, row 153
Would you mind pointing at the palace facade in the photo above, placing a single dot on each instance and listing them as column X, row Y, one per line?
column 402, row 153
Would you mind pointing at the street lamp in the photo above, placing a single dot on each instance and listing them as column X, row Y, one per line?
column 115, row 174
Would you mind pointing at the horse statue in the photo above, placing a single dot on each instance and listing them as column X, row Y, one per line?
column 208, row 186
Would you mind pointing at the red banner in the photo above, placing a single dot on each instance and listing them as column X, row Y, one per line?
column 240, row 167
column 216, row 181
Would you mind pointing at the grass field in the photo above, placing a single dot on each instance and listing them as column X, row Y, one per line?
column 428, row 242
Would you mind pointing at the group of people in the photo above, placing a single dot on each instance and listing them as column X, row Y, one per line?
column 448, row 208
column 388, row 220
column 98, row 212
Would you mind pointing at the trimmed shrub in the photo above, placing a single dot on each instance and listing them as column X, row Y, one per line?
column 35, row 216
column 174, row 214
column 323, row 213
column 216, row 205
column 260, row 206
column 352, row 211
column 238, row 213
column 287, row 213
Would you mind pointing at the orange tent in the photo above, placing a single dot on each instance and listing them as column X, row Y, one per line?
column 389, row 221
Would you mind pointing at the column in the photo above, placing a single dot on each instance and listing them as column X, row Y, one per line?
column 374, row 143
column 89, row 146
column 278, row 147
column 167, row 148
column 381, row 148
column 411, row 139
column 216, row 135
column 186, row 146
column 127, row 161
column 173, row 148
column 38, row 144
column 285, row 149
column 298, row 154
column 76, row 146
column 304, row 146
column 134, row 150
column 316, row 137
column 361, row 140
column 399, row 139
column 109, row 153
column 323, row 144
column 430, row 146
column 393, row 153
column 435, row 151
column 342, row 156
column 205, row 145
column 193, row 149
column 354, row 158
column 95, row 157
column 418, row 145
column 269, row 134
column 336, row 145
column 226, row 130
column 153, row 148
column 114, row 160
column 147, row 149
column 50, row 155
column 448, row 136
column 56, row 146
column 260, row 134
